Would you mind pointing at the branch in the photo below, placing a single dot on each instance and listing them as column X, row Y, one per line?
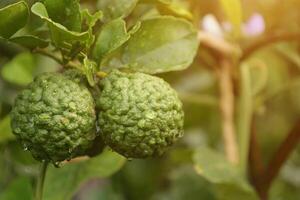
column 256, row 166
column 281, row 155
column 270, row 39
column 217, row 44
column 227, row 110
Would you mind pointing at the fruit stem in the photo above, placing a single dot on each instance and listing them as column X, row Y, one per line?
column 40, row 181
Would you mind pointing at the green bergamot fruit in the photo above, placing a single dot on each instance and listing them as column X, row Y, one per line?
column 139, row 115
column 54, row 118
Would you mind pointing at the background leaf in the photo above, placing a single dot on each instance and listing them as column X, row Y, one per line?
column 67, row 179
column 161, row 44
column 19, row 70
column 113, row 9
column 13, row 18
column 229, row 183
column 65, row 12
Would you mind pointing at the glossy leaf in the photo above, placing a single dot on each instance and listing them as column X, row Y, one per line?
column 113, row 9
column 5, row 130
column 226, row 178
column 112, row 36
column 12, row 18
column 30, row 41
column 61, row 36
column 65, row 12
column 67, row 179
column 161, row 44
column 233, row 11
column 19, row 70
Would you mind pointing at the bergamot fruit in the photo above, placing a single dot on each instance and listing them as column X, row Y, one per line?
column 54, row 118
column 139, row 115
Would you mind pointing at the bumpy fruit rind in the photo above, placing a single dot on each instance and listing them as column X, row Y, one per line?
column 139, row 115
column 54, row 118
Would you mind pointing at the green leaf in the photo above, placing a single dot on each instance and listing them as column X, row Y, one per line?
column 244, row 113
column 13, row 18
column 161, row 44
column 170, row 7
column 65, row 12
column 89, row 68
column 67, row 179
column 30, row 41
column 20, row 188
column 60, row 35
column 229, row 183
column 113, row 9
column 112, row 36
column 234, row 13
column 5, row 130
column 19, row 70
column 90, row 20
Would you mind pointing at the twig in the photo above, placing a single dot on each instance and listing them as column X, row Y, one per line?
column 270, row 39
column 227, row 110
column 281, row 155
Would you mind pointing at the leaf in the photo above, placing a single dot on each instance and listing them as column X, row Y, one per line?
column 13, row 18
column 244, row 113
column 19, row 188
column 5, row 130
column 89, row 68
column 67, row 179
column 161, row 44
column 229, row 183
column 60, row 35
column 234, row 13
column 175, row 9
column 30, row 41
column 113, row 9
column 170, row 7
column 19, row 70
column 112, row 36
column 65, row 12
column 90, row 21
